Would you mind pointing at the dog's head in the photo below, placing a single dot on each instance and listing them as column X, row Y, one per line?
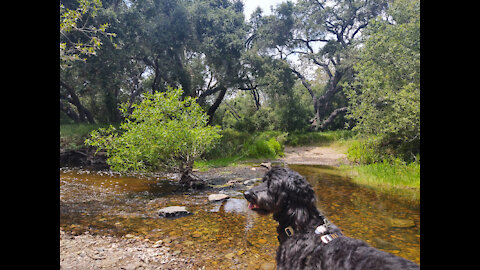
column 286, row 194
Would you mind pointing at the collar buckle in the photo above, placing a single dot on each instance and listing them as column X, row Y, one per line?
column 289, row 231
column 328, row 237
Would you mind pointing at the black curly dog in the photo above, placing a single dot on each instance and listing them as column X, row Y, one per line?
column 307, row 239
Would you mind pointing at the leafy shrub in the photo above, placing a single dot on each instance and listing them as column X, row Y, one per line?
column 261, row 148
column 295, row 139
column 230, row 144
column 268, row 144
column 363, row 152
column 163, row 132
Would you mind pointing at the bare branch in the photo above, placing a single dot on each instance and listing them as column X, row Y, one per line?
column 332, row 116
column 304, row 82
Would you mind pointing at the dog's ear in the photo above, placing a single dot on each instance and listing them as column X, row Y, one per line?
column 301, row 202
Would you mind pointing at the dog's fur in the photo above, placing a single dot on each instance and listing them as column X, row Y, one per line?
column 291, row 199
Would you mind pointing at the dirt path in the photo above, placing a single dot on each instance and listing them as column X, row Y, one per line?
column 314, row 155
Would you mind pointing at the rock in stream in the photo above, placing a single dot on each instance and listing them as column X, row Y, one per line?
column 173, row 212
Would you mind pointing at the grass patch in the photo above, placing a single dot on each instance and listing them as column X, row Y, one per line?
column 236, row 146
column 318, row 138
column 204, row 165
column 399, row 175
column 392, row 178
column 72, row 136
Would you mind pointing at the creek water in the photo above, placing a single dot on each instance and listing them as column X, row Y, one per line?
column 227, row 235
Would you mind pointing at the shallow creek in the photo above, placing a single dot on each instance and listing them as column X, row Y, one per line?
column 226, row 235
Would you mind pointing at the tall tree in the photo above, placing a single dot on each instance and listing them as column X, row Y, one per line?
column 322, row 33
column 384, row 98
column 195, row 45
column 218, row 43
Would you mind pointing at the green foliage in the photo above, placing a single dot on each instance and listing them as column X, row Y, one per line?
column 365, row 152
column 163, row 132
column 318, row 138
column 237, row 145
column 75, row 21
column 72, row 136
column 384, row 98
column 373, row 150
column 230, row 144
column 286, row 112
column 261, row 148
column 396, row 174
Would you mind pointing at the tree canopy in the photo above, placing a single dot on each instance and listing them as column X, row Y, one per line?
column 309, row 65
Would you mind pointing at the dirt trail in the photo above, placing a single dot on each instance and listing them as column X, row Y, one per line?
column 314, row 155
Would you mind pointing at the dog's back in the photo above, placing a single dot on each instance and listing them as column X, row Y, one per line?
column 307, row 251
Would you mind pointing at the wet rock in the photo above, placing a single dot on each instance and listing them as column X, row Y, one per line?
column 173, row 211
column 400, row 223
column 267, row 266
column 217, row 197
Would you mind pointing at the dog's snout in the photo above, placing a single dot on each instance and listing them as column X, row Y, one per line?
column 248, row 195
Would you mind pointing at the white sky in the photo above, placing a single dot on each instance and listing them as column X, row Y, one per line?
column 251, row 5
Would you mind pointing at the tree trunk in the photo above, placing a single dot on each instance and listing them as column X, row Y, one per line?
column 214, row 107
column 188, row 179
column 320, row 104
column 73, row 99
column 69, row 112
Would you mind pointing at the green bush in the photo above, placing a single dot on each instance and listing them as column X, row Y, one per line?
column 163, row 132
column 268, row 144
column 73, row 135
column 314, row 137
column 230, row 144
column 379, row 149
column 363, row 152
column 261, row 148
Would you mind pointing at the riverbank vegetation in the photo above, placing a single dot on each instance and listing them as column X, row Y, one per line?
column 339, row 73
